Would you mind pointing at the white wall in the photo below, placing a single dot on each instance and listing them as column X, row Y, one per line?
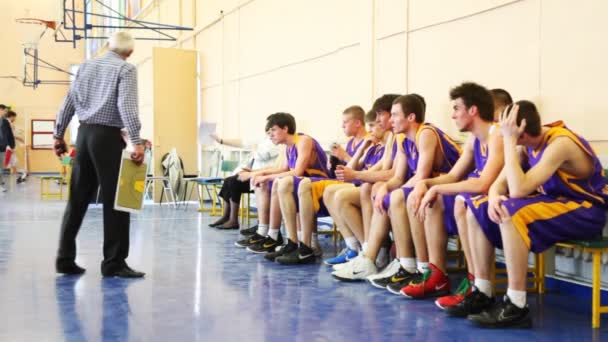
column 313, row 58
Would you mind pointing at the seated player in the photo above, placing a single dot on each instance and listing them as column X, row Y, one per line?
column 304, row 157
column 501, row 99
column 310, row 205
column 353, row 125
column 424, row 151
column 562, row 196
column 353, row 236
column 351, row 207
column 434, row 198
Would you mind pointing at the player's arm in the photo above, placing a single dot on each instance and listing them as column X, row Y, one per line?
column 464, row 165
column 305, row 147
column 427, row 145
column 487, row 176
column 524, row 183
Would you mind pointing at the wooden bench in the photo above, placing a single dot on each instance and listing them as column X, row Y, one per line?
column 595, row 247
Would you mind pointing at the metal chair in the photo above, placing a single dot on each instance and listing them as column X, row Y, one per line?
column 211, row 186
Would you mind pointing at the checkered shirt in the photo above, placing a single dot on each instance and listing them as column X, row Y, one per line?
column 103, row 93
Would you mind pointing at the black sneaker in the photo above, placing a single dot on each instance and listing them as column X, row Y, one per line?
column 395, row 287
column 401, row 276
column 249, row 231
column 290, row 246
column 267, row 245
column 302, row 255
column 252, row 240
column 503, row 315
column 472, row 304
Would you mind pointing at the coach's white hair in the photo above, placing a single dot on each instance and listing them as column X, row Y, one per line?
column 121, row 42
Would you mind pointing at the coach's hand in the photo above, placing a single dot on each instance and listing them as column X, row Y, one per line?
column 59, row 147
column 138, row 154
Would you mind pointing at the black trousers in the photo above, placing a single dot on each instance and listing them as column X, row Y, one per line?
column 233, row 188
column 97, row 163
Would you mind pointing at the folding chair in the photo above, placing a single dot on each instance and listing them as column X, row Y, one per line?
column 211, row 186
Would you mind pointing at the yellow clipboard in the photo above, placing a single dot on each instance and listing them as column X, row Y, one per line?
column 130, row 186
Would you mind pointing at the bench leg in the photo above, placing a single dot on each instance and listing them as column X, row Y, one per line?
column 541, row 272
column 597, row 261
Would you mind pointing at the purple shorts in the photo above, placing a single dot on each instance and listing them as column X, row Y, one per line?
column 386, row 201
column 318, row 185
column 478, row 205
column 543, row 220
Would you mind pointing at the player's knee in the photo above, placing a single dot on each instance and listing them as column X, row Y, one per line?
column 460, row 209
column 397, row 199
column 284, row 185
column 305, row 187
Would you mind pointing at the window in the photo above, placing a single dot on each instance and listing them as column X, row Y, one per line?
column 42, row 134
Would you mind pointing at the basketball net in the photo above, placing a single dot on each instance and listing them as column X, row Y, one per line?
column 33, row 29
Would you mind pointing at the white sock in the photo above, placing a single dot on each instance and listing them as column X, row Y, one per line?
column 274, row 233
column 299, row 235
column 421, row 266
column 409, row 264
column 484, row 286
column 364, row 247
column 262, row 229
column 352, row 243
column 518, row 298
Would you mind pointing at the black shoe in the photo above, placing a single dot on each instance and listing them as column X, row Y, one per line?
column 474, row 303
column 249, row 231
column 222, row 227
column 503, row 315
column 395, row 287
column 289, row 247
column 302, row 255
column 267, row 245
column 217, row 223
column 400, row 277
column 252, row 240
column 69, row 268
column 125, row 272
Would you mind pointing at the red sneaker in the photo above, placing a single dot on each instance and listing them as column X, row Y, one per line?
column 433, row 283
column 464, row 289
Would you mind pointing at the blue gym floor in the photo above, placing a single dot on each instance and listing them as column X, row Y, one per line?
column 200, row 287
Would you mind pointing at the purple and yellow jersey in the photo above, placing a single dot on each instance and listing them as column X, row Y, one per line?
column 317, row 166
column 480, row 153
column 351, row 147
column 397, row 143
column 562, row 184
column 450, row 150
column 372, row 156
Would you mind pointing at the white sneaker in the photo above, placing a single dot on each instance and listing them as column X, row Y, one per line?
column 388, row 271
column 359, row 269
column 338, row 267
column 2, row 188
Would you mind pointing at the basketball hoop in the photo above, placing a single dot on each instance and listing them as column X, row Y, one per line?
column 34, row 30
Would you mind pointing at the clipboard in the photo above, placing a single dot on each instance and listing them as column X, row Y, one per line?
column 131, row 184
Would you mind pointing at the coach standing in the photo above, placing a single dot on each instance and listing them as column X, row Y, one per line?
column 104, row 98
